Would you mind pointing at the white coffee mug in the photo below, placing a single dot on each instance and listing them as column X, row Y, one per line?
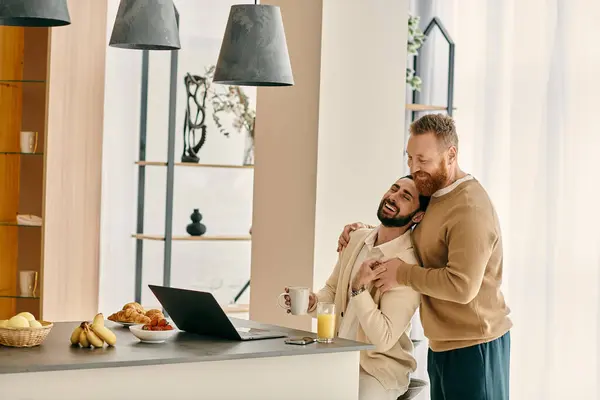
column 28, row 283
column 299, row 297
column 29, row 142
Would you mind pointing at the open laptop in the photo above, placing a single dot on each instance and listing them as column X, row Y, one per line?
column 198, row 312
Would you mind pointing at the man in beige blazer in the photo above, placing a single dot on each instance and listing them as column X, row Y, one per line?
column 362, row 312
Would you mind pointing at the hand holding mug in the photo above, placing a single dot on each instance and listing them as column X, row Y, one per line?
column 312, row 300
column 297, row 300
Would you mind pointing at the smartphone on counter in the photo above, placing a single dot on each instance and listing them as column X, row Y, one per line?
column 300, row 340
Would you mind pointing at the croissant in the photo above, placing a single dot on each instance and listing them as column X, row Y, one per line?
column 151, row 313
column 135, row 306
column 129, row 315
column 141, row 319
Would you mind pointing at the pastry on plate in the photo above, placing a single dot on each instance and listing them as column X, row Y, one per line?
column 151, row 313
column 135, row 306
column 130, row 316
column 132, row 313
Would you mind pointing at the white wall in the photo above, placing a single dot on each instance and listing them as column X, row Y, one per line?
column 361, row 117
column 342, row 149
column 224, row 197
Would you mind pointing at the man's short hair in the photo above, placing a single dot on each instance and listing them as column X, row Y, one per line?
column 423, row 200
column 442, row 126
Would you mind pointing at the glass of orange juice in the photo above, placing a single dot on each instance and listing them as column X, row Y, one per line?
column 325, row 322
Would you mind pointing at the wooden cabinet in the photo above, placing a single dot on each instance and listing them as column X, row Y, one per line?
column 23, row 93
column 52, row 83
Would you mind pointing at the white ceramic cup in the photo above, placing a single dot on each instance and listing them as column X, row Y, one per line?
column 299, row 297
column 29, row 142
column 28, row 283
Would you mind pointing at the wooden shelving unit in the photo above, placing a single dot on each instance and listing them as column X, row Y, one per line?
column 236, row 308
column 23, row 104
column 20, row 153
column 15, row 223
column 416, row 107
column 425, row 107
column 217, row 238
column 167, row 237
column 52, row 82
column 184, row 164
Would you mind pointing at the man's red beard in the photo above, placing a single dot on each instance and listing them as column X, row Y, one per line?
column 428, row 184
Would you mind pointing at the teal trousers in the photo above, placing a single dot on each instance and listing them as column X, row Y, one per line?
column 478, row 372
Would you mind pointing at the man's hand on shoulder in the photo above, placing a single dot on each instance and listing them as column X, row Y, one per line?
column 388, row 279
column 368, row 272
column 344, row 238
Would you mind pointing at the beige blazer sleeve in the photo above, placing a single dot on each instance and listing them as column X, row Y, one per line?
column 383, row 326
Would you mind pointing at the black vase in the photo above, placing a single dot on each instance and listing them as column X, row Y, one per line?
column 196, row 228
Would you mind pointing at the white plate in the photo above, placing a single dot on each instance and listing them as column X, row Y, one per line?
column 151, row 336
column 126, row 324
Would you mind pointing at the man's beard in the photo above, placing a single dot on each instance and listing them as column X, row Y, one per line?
column 397, row 221
column 428, row 184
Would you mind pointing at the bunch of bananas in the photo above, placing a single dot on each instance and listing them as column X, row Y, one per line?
column 94, row 334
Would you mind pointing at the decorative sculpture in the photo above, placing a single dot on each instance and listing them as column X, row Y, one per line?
column 197, row 90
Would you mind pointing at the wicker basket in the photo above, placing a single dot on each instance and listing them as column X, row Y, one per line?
column 25, row 337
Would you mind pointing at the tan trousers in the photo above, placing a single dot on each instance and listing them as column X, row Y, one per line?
column 369, row 388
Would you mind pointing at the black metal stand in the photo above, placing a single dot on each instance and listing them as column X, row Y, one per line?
column 170, row 173
column 139, row 245
column 241, row 292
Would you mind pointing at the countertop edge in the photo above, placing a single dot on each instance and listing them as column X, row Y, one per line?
column 167, row 361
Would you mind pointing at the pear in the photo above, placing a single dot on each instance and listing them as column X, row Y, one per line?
column 18, row 322
column 27, row 316
column 35, row 324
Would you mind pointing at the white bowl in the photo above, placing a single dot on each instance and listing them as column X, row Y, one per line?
column 151, row 336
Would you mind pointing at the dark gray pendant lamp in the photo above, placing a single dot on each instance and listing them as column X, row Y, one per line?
column 146, row 25
column 254, row 50
column 36, row 13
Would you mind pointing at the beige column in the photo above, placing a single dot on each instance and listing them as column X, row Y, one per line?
column 73, row 167
column 328, row 147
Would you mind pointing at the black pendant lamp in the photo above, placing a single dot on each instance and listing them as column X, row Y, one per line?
column 146, row 25
column 34, row 13
column 254, row 50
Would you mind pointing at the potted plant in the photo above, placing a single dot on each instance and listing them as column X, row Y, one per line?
column 232, row 100
column 416, row 38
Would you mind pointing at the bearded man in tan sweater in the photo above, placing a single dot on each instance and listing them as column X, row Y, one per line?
column 458, row 244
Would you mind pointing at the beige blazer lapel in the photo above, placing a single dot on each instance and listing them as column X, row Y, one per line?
column 348, row 263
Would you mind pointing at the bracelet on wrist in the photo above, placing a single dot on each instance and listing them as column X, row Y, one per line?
column 359, row 291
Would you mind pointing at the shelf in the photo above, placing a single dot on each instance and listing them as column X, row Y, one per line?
column 425, row 107
column 17, row 296
column 19, row 153
column 217, row 238
column 21, row 81
column 181, row 164
column 15, row 223
column 236, row 308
